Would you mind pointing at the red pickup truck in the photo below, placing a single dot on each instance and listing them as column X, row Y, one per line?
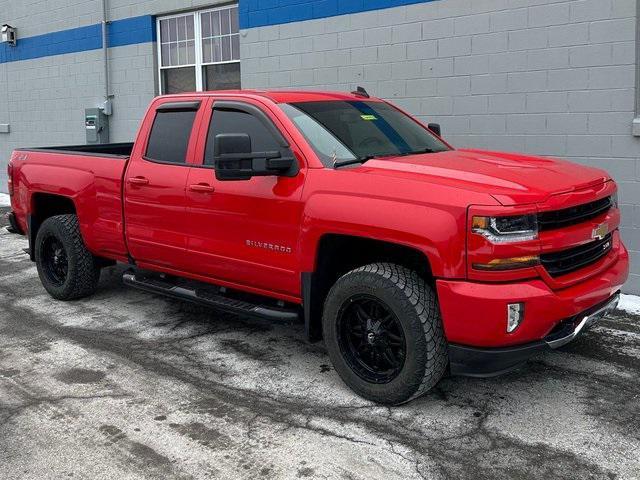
column 410, row 258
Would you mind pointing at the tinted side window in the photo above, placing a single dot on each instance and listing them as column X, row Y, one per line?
column 236, row 121
column 170, row 134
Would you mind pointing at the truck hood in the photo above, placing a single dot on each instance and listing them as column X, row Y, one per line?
column 510, row 178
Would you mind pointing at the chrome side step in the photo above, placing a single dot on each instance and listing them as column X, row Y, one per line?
column 209, row 296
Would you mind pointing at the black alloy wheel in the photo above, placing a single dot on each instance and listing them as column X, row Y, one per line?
column 371, row 339
column 66, row 268
column 382, row 328
column 54, row 260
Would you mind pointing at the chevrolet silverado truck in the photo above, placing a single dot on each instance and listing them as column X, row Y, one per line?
column 410, row 258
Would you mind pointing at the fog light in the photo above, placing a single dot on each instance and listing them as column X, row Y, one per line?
column 515, row 315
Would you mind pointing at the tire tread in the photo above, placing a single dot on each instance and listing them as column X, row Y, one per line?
column 424, row 303
column 86, row 273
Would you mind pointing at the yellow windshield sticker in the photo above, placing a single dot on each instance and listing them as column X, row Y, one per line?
column 369, row 117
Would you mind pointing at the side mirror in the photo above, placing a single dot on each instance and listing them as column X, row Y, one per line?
column 234, row 159
column 435, row 128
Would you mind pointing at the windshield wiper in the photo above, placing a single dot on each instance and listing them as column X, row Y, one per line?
column 344, row 163
column 418, row 152
column 366, row 158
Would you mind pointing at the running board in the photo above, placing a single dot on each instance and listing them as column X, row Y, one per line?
column 209, row 297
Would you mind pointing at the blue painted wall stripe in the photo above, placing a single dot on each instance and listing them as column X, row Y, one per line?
column 135, row 30
column 260, row 13
column 129, row 31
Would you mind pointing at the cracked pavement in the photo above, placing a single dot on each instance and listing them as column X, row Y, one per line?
column 126, row 384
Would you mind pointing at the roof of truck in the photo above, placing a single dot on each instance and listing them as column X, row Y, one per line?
column 285, row 96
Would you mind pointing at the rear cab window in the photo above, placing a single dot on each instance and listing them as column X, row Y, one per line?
column 171, row 131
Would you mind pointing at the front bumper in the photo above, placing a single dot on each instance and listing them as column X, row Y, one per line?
column 474, row 316
column 487, row 362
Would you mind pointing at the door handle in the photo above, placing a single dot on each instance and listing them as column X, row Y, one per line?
column 139, row 181
column 201, row 188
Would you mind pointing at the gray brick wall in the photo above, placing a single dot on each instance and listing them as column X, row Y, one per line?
column 35, row 17
column 44, row 99
column 545, row 77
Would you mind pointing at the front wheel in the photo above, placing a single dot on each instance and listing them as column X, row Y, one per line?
column 384, row 335
column 66, row 268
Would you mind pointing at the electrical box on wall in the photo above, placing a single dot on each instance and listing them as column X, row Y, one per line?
column 96, row 125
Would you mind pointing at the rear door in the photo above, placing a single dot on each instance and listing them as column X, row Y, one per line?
column 245, row 232
column 154, row 184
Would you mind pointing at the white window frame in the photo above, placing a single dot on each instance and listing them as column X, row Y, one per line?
column 197, row 33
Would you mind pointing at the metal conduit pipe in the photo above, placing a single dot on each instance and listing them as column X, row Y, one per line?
column 106, row 106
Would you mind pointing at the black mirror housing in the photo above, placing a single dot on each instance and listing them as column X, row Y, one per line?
column 435, row 128
column 232, row 156
column 226, row 143
column 235, row 160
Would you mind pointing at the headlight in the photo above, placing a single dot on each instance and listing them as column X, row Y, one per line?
column 519, row 228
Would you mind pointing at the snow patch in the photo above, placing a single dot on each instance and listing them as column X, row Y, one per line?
column 4, row 200
column 629, row 304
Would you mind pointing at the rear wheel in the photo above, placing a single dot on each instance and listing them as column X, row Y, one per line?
column 66, row 268
column 383, row 332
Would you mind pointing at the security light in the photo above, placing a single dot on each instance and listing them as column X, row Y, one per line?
column 8, row 35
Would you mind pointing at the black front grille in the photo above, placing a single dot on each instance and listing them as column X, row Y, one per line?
column 567, row 261
column 573, row 215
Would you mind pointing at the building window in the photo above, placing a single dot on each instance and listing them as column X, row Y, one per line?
column 177, row 54
column 199, row 51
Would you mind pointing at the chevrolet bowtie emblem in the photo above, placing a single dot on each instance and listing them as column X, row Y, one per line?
column 600, row 231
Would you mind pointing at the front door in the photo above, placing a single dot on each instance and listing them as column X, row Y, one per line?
column 245, row 232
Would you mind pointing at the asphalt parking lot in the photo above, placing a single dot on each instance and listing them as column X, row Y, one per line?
column 130, row 385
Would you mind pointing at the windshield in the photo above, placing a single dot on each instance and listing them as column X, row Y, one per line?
column 359, row 130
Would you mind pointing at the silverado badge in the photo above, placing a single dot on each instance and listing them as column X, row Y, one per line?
column 269, row 246
column 600, row 231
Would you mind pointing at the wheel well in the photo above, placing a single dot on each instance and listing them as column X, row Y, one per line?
column 339, row 254
column 43, row 206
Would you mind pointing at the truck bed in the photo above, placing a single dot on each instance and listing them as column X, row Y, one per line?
column 119, row 150
column 90, row 176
